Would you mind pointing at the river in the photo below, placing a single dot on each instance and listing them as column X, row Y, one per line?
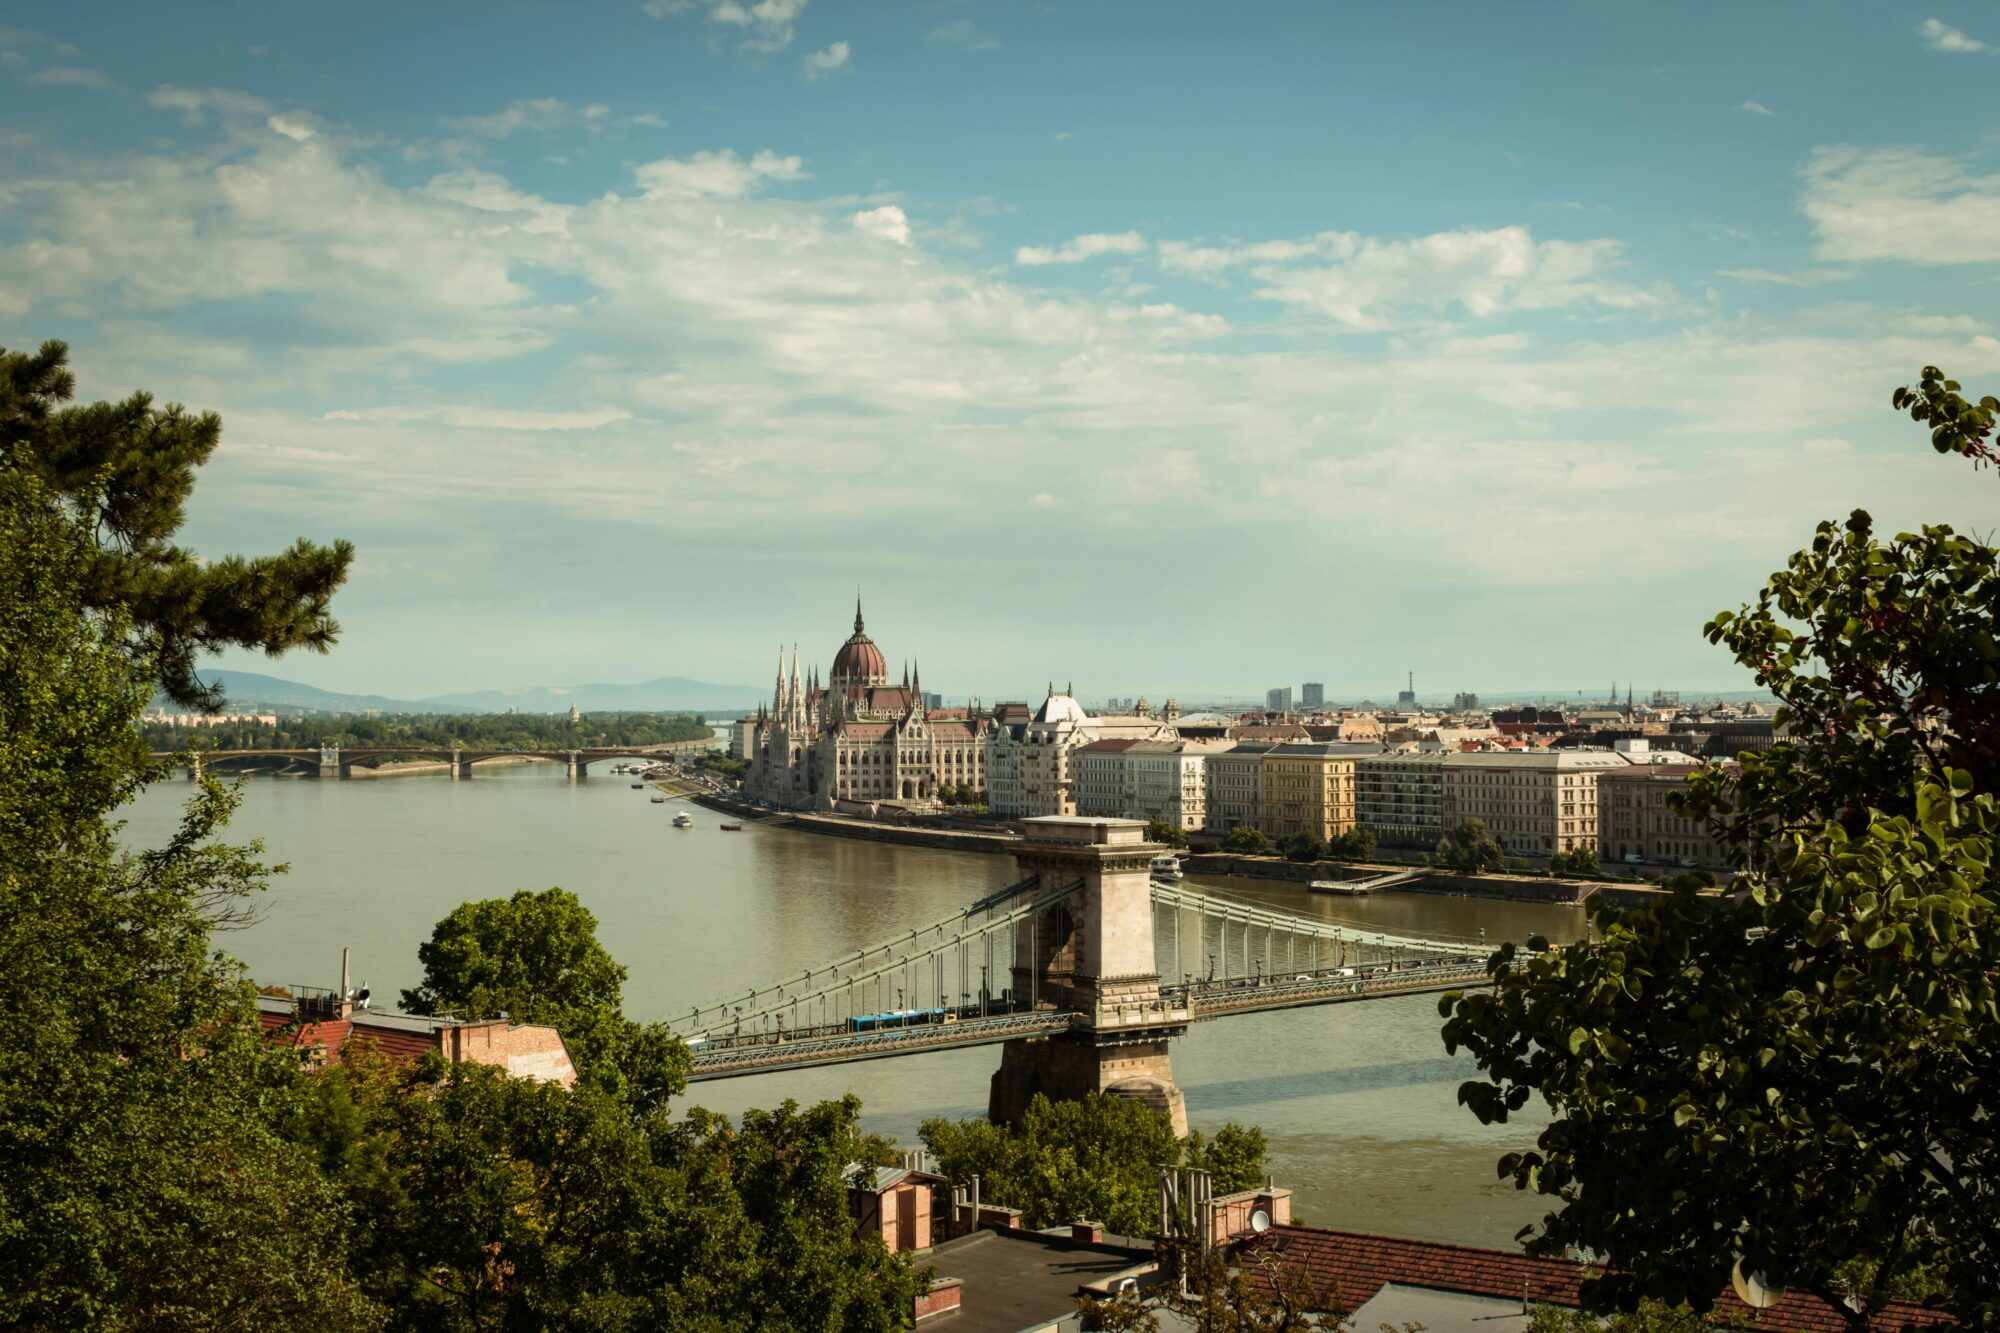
column 1358, row 1100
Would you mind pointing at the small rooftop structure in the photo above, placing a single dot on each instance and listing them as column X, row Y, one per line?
column 320, row 1024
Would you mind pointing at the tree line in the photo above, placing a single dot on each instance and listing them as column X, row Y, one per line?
column 436, row 731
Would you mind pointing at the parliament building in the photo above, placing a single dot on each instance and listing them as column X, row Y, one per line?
column 858, row 740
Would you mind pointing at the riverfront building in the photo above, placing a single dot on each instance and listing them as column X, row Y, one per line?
column 1309, row 788
column 1635, row 820
column 859, row 739
column 1135, row 779
column 1400, row 798
column 1532, row 804
column 1236, row 786
column 1031, row 764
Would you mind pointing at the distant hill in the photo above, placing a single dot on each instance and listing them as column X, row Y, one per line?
column 248, row 690
column 664, row 694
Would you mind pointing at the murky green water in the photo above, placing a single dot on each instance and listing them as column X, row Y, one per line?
column 1358, row 1100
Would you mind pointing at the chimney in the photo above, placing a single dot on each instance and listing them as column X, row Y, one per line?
column 1086, row 1233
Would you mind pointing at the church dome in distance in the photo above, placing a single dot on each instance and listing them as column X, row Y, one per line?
column 859, row 661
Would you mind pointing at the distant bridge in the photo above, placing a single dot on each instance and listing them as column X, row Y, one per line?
column 1083, row 971
column 333, row 761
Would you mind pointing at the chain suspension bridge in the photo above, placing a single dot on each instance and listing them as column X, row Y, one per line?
column 1084, row 970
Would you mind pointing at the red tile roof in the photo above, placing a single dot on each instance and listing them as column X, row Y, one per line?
column 1361, row 1264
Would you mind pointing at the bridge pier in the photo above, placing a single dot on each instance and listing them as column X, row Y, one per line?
column 1092, row 955
column 579, row 768
column 329, row 762
column 461, row 767
column 194, row 770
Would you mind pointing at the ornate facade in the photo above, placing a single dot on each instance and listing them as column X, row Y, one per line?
column 858, row 738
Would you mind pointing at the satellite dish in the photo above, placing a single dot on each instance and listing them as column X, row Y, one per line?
column 1753, row 1290
column 1260, row 1220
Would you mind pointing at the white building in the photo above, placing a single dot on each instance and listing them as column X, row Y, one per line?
column 1033, row 760
column 1142, row 779
column 1533, row 804
column 1235, row 780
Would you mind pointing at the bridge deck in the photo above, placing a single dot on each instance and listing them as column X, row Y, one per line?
column 766, row 1054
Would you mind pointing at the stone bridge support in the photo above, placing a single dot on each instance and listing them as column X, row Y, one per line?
column 461, row 766
column 579, row 767
column 1092, row 955
column 329, row 762
column 194, row 769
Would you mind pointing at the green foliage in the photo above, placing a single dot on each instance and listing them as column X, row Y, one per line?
column 1234, row 1157
column 1578, row 863
column 1098, row 1158
column 1357, row 844
column 1159, row 830
column 486, row 1202
column 1470, row 849
column 1806, row 1069
column 1246, row 841
column 437, row 731
column 1305, row 845
column 126, row 470
column 1690, row 879
column 140, row 1183
column 535, row 958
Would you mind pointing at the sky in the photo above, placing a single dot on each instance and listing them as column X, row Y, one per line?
column 1155, row 347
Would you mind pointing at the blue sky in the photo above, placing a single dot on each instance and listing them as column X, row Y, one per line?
column 1161, row 347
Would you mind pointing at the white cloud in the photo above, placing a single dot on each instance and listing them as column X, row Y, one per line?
column 292, row 125
column 1756, row 108
column 769, row 22
column 1079, row 248
column 1944, row 37
column 1369, row 283
column 722, row 173
column 541, row 114
column 70, row 76
column 196, row 104
column 887, row 222
column 488, row 418
column 963, row 34
column 1900, row 204
column 822, row 63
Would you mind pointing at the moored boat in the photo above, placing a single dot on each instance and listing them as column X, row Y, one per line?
column 683, row 820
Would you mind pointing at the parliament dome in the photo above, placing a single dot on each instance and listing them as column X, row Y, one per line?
column 859, row 661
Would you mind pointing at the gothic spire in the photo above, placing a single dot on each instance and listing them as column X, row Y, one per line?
column 857, row 608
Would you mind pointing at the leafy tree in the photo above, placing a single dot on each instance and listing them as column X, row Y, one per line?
column 1693, row 879
column 1305, row 845
column 126, row 470
column 1246, row 841
column 1357, row 844
column 1470, row 849
column 1807, row 1068
column 1096, row 1158
column 1159, row 830
column 535, row 958
column 140, row 1182
column 1234, row 1157
column 1578, row 862
column 486, row 1202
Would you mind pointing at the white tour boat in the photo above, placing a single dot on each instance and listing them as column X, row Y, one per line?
column 1167, row 868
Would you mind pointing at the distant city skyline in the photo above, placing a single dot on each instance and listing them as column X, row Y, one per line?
column 1118, row 343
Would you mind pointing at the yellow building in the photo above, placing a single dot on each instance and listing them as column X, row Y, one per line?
column 1309, row 788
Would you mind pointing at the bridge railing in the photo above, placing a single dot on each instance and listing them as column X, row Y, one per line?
column 1214, row 936
column 949, row 966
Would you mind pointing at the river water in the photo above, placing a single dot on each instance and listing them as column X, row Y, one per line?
column 1358, row 1100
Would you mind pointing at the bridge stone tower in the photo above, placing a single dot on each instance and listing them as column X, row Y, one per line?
column 1093, row 955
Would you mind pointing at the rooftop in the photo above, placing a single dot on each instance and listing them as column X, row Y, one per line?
column 1013, row 1280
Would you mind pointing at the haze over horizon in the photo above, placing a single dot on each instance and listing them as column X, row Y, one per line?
column 1167, row 348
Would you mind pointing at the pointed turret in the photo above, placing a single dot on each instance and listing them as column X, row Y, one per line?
column 857, row 611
